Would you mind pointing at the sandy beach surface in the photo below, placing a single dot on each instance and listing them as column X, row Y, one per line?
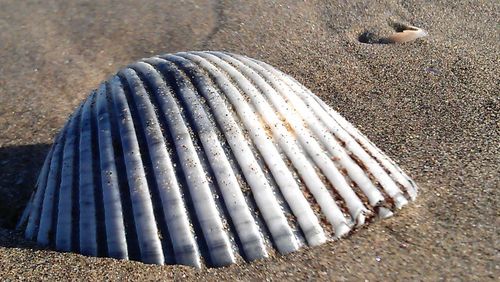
column 431, row 104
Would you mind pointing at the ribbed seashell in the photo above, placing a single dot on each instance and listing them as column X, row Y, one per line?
column 207, row 157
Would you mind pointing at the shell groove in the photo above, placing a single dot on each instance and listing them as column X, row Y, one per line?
column 207, row 158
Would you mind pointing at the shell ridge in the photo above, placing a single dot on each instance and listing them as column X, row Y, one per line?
column 156, row 83
column 326, row 163
column 88, row 216
column 394, row 172
column 274, row 217
column 117, row 155
column 339, row 154
column 47, row 211
column 36, row 206
column 249, row 232
column 244, row 223
column 147, row 232
column 165, row 187
column 269, row 157
column 336, row 149
column 112, row 204
column 373, row 167
column 244, row 157
column 25, row 217
column 219, row 240
column 206, row 212
column 136, row 98
column 307, row 219
column 336, row 129
column 64, row 230
column 315, row 185
column 271, row 92
column 309, row 173
column 101, row 240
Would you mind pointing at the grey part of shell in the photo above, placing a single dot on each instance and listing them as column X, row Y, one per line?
column 207, row 158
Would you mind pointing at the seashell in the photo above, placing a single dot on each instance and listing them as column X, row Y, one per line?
column 207, row 158
column 407, row 34
column 403, row 33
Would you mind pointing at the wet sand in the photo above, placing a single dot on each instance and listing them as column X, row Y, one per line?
column 431, row 104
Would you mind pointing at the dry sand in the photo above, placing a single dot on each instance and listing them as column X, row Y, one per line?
column 432, row 105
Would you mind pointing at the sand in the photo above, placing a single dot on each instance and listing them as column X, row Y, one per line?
column 431, row 104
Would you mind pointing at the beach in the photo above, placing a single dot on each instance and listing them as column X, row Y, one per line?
column 431, row 104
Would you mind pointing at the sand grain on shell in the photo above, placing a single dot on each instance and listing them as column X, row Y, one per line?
column 432, row 105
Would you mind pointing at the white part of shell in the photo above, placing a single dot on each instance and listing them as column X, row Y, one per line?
column 115, row 228
column 410, row 33
column 207, row 157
